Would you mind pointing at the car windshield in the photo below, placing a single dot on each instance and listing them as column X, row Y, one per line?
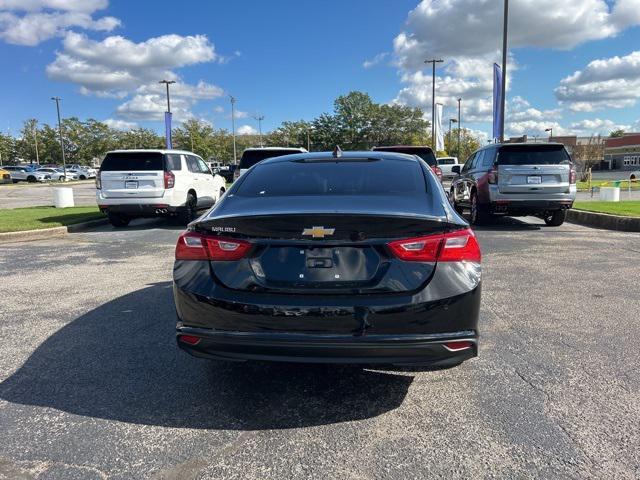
column 350, row 177
column 131, row 161
column 251, row 157
column 533, row 155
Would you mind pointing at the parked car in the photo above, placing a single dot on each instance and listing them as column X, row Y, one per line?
column 445, row 164
column 57, row 174
column 83, row 171
column 24, row 174
column 5, row 176
column 425, row 153
column 317, row 257
column 228, row 173
column 516, row 179
column 252, row 156
column 149, row 183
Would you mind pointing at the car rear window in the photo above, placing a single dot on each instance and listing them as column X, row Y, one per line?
column 533, row 155
column 123, row 161
column 351, row 177
column 446, row 161
column 424, row 153
column 251, row 157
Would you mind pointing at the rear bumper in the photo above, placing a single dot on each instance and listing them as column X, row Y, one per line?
column 525, row 203
column 140, row 209
column 428, row 350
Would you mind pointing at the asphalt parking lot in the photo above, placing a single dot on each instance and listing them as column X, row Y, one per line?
column 93, row 386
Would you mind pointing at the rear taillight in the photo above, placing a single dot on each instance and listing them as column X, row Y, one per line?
column 196, row 246
column 492, row 177
column 573, row 175
column 438, row 171
column 169, row 179
column 189, row 339
column 458, row 346
column 458, row 246
column 98, row 181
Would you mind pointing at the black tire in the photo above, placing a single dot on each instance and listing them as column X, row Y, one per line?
column 188, row 213
column 455, row 206
column 118, row 220
column 556, row 218
column 61, row 178
column 31, row 179
column 479, row 214
column 82, row 177
column 15, row 181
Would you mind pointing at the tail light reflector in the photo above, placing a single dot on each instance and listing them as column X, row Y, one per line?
column 458, row 246
column 197, row 246
column 493, row 176
column 169, row 179
column 573, row 175
column 189, row 339
column 458, row 346
column 438, row 171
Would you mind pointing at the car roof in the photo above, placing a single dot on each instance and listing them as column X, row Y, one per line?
column 344, row 156
column 152, row 150
column 523, row 144
column 289, row 149
column 407, row 147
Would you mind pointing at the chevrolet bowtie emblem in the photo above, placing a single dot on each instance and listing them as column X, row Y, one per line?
column 318, row 232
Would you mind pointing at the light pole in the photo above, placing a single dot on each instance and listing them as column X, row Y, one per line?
column 451, row 120
column 167, row 83
column 64, row 161
column 233, row 125
column 259, row 119
column 504, row 67
column 459, row 126
column 35, row 137
column 433, row 101
column 551, row 134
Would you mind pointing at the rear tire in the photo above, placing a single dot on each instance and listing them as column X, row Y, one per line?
column 188, row 213
column 479, row 214
column 82, row 177
column 118, row 220
column 61, row 178
column 556, row 218
column 31, row 179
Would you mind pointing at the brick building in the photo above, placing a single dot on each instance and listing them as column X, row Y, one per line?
column 623, row 153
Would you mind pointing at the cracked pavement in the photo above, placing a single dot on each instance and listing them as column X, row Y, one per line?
column 92, row 385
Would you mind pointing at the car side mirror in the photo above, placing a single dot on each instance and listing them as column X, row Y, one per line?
column 455, row 169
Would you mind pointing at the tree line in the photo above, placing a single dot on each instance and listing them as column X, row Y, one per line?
column 356, row 123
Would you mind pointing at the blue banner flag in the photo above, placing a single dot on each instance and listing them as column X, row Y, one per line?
column 497, row 102
column 167, row 128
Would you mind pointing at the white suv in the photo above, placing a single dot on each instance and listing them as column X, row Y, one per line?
column 149, row 183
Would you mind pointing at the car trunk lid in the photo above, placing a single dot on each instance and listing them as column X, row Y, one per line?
column 533, row 169
column 133, row 175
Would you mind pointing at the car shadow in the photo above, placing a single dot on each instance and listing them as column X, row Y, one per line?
column 120, row 362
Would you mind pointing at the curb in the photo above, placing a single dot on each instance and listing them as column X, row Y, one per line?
column 46, row 233
column 604, row 220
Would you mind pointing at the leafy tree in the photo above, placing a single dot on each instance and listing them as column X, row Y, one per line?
column 616, row 133
column 291, row 134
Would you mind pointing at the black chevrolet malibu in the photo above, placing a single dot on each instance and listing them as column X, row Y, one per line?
column 353, row 257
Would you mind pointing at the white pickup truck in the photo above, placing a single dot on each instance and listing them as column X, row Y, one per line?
column 445, row 164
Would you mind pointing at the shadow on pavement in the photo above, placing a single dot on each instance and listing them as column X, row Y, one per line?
column 120, row 362
column 506, row 223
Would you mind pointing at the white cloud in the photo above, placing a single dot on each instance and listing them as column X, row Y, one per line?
column 246, row 130
column 375, row 60
column 430, row 28
column 240, row 114
column 218, row 109
column 120, row 124
column 606, row 83
column 30, row 22
column 597, row 126
column 116, row 64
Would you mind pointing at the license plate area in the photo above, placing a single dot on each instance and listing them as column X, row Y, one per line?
column 534, row 179
column 131, row 184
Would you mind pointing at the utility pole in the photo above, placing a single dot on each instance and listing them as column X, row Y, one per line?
column 504, row 67
column 233, row 126
column 259, row 118
column 191, row 137
column 433, row 102
column 64, row 161
column 308, row 141
column 459, row 127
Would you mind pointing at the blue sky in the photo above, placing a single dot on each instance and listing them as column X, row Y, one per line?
column 290, row 59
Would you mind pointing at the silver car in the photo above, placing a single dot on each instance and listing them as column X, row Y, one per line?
column 25, row 174
column 516, row 179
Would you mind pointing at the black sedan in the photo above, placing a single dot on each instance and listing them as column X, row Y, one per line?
column 353, row 257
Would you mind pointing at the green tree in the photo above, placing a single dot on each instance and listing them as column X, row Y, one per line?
column 290, row 134
column 616, row 133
